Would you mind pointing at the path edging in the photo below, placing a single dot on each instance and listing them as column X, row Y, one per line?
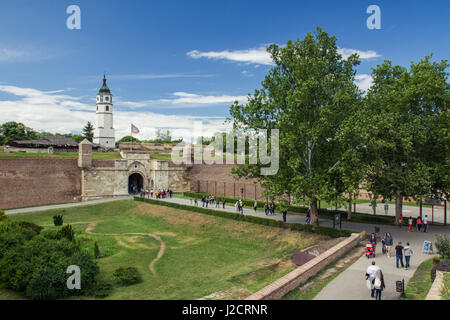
column 436, row 287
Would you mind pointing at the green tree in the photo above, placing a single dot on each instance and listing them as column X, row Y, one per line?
column 307, row 96
column 88, row 131
column 16, row 131
column 129, row 139
column 404, row 126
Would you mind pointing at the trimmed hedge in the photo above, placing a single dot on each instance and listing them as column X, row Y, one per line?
column 323, row 213
column 335, row 233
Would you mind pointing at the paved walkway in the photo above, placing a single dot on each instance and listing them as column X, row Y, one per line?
column 436, row 214
column 350, row 284
column 64, row 205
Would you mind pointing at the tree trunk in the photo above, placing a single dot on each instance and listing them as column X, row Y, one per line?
column 314, row 212
column 349, row 212
column 398, row 206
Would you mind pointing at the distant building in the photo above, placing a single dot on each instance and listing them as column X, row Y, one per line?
column 104, row 131
column 47, row 144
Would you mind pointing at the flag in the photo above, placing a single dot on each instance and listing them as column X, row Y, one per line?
column 134, row 129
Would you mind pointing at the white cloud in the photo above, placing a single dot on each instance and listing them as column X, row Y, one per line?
column 185, row 100
column 47, row 111
column 9, row 54
column 248, row 56
column 364, row 81
column 370, row 54
column 260, row 56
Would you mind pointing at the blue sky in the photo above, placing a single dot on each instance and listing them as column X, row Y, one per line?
column 169, row 63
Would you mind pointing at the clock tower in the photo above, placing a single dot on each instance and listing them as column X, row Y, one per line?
column 104, row 130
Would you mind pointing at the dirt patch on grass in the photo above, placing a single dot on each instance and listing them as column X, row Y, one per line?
column 233, row 293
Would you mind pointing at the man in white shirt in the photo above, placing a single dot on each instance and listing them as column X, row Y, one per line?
column 371, row 273
column 425, row 223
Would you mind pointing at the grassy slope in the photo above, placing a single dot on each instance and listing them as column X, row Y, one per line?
column 204, row 254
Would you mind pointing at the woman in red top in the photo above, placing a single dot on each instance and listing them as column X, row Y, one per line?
column 419, row 223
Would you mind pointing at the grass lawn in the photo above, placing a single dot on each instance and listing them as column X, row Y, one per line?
column 420, row 283
column 446, row 287
column 25, row 155
column 199, row 254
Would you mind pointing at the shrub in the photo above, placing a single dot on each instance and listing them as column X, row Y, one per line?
column 96, row 250
column 442, row 246
column 14, row 234
column 441, row 266
column 29, row 225
column 58, row 220
column 89, row 271
column 3, row 215
column 67, row 232
column 48, row 282
column 127, row 276
column 101, row 289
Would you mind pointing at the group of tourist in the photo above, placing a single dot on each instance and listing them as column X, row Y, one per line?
column 210, row 200
column 269, row 209
column 374, row 275
column 419, row 223
column 158, row 194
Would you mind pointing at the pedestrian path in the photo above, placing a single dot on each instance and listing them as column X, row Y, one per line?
column 65, row 205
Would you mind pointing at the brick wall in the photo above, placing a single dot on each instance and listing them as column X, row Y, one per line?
column 218, row 179
column 27, row 182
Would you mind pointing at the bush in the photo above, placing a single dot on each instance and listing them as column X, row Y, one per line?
column 441, row 266
column 29, row 225
column 96, row 250
column 58, row 220
column 442, row 246
column 3, row 215
column 127, row 276
column 14, row 234
column 101, row 289
column 67, row 232
column 38, row 265
column 48, row 282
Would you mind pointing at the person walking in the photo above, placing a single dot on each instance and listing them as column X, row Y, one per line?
column 217, row 202
column 400, row 220
column 203, row 201
column 386, row 207
column 425, row 223
column 383, row 244
column 410, row 224
column 373, row 239
column 241, row 206
column 399, row 255
column 378, row 284
column 371, row 273
column 284, row 212
column 266, row 208
column 419, row 223
column 151, row 192
column 389, row 244
column 223, row 203
column 196, row 201
column 236, row 205
column 407, row 251
column 255, row 205
column 308, row 216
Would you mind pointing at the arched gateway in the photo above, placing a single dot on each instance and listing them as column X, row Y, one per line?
column 135, row 182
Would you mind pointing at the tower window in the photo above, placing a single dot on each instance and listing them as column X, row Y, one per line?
column 107, row 108
column 101, row 98
column 106, row 98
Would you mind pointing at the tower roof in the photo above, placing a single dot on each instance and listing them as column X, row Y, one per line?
column 104, row 88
